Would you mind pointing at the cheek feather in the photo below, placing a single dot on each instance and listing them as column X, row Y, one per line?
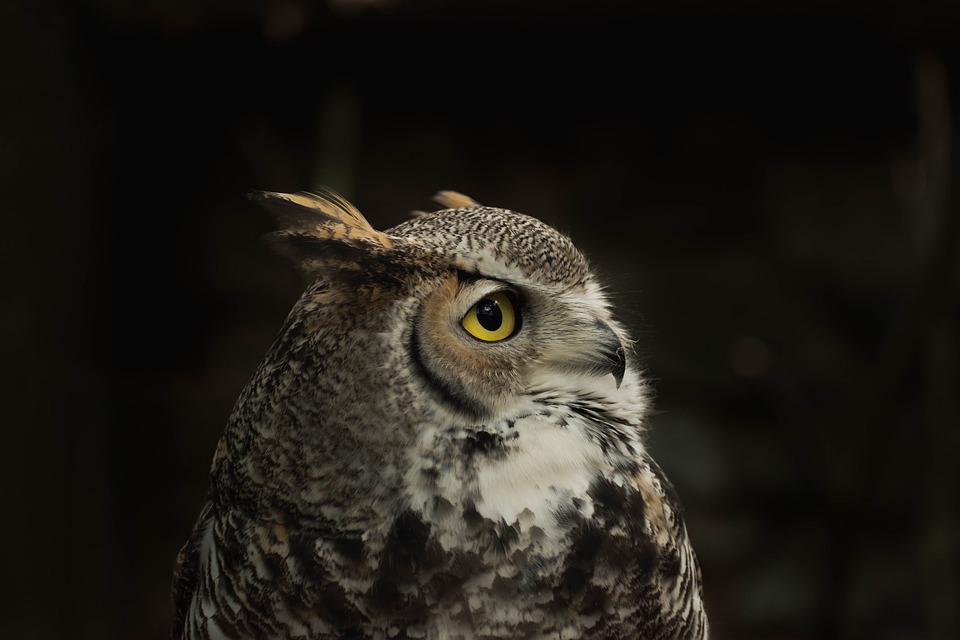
column 438, row 325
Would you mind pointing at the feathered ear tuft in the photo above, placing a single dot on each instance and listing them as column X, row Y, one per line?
column 321, row 231
column 454, row 200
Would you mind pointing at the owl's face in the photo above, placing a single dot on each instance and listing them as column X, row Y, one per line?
column 483, row 344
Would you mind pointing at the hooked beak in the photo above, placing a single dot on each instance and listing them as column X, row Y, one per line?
column 599, row 353
column 611, row 355
column 595, row 351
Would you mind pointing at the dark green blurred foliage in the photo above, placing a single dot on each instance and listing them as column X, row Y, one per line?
column 769, row 194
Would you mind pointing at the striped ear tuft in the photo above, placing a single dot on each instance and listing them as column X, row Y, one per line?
column 454, row 200
column 321, row 231
column 326, row 214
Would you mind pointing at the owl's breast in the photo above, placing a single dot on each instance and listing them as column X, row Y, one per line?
column 534, row 527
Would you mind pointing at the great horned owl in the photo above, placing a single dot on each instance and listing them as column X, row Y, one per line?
column 444, row 441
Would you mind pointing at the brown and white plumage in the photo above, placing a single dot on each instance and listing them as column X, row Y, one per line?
column 389, row 474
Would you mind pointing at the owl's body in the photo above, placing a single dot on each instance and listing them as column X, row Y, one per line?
column 394, row 470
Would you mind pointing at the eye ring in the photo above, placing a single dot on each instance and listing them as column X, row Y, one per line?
column 491, row 319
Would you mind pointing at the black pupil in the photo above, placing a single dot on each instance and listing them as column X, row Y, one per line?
column 489, row 314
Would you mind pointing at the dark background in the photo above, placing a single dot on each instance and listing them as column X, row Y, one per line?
column 766, row 191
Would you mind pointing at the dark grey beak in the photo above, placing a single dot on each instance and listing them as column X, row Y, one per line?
column 597, row 352
column 613, row 357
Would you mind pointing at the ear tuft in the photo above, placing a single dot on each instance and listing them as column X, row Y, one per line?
column 326, row 214
column 321, row 231
column 454, row 200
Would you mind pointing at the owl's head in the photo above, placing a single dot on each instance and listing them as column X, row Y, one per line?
column 489, row 306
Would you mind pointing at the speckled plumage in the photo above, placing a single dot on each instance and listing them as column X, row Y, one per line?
column 386, row 475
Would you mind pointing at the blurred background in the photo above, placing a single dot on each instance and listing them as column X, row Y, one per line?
column 767, row 192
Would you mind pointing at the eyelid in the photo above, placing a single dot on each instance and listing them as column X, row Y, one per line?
column 479, row 288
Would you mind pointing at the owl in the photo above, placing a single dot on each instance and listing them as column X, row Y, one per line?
column 445, row 440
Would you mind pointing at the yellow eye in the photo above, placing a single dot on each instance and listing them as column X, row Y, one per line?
column 492, row 319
